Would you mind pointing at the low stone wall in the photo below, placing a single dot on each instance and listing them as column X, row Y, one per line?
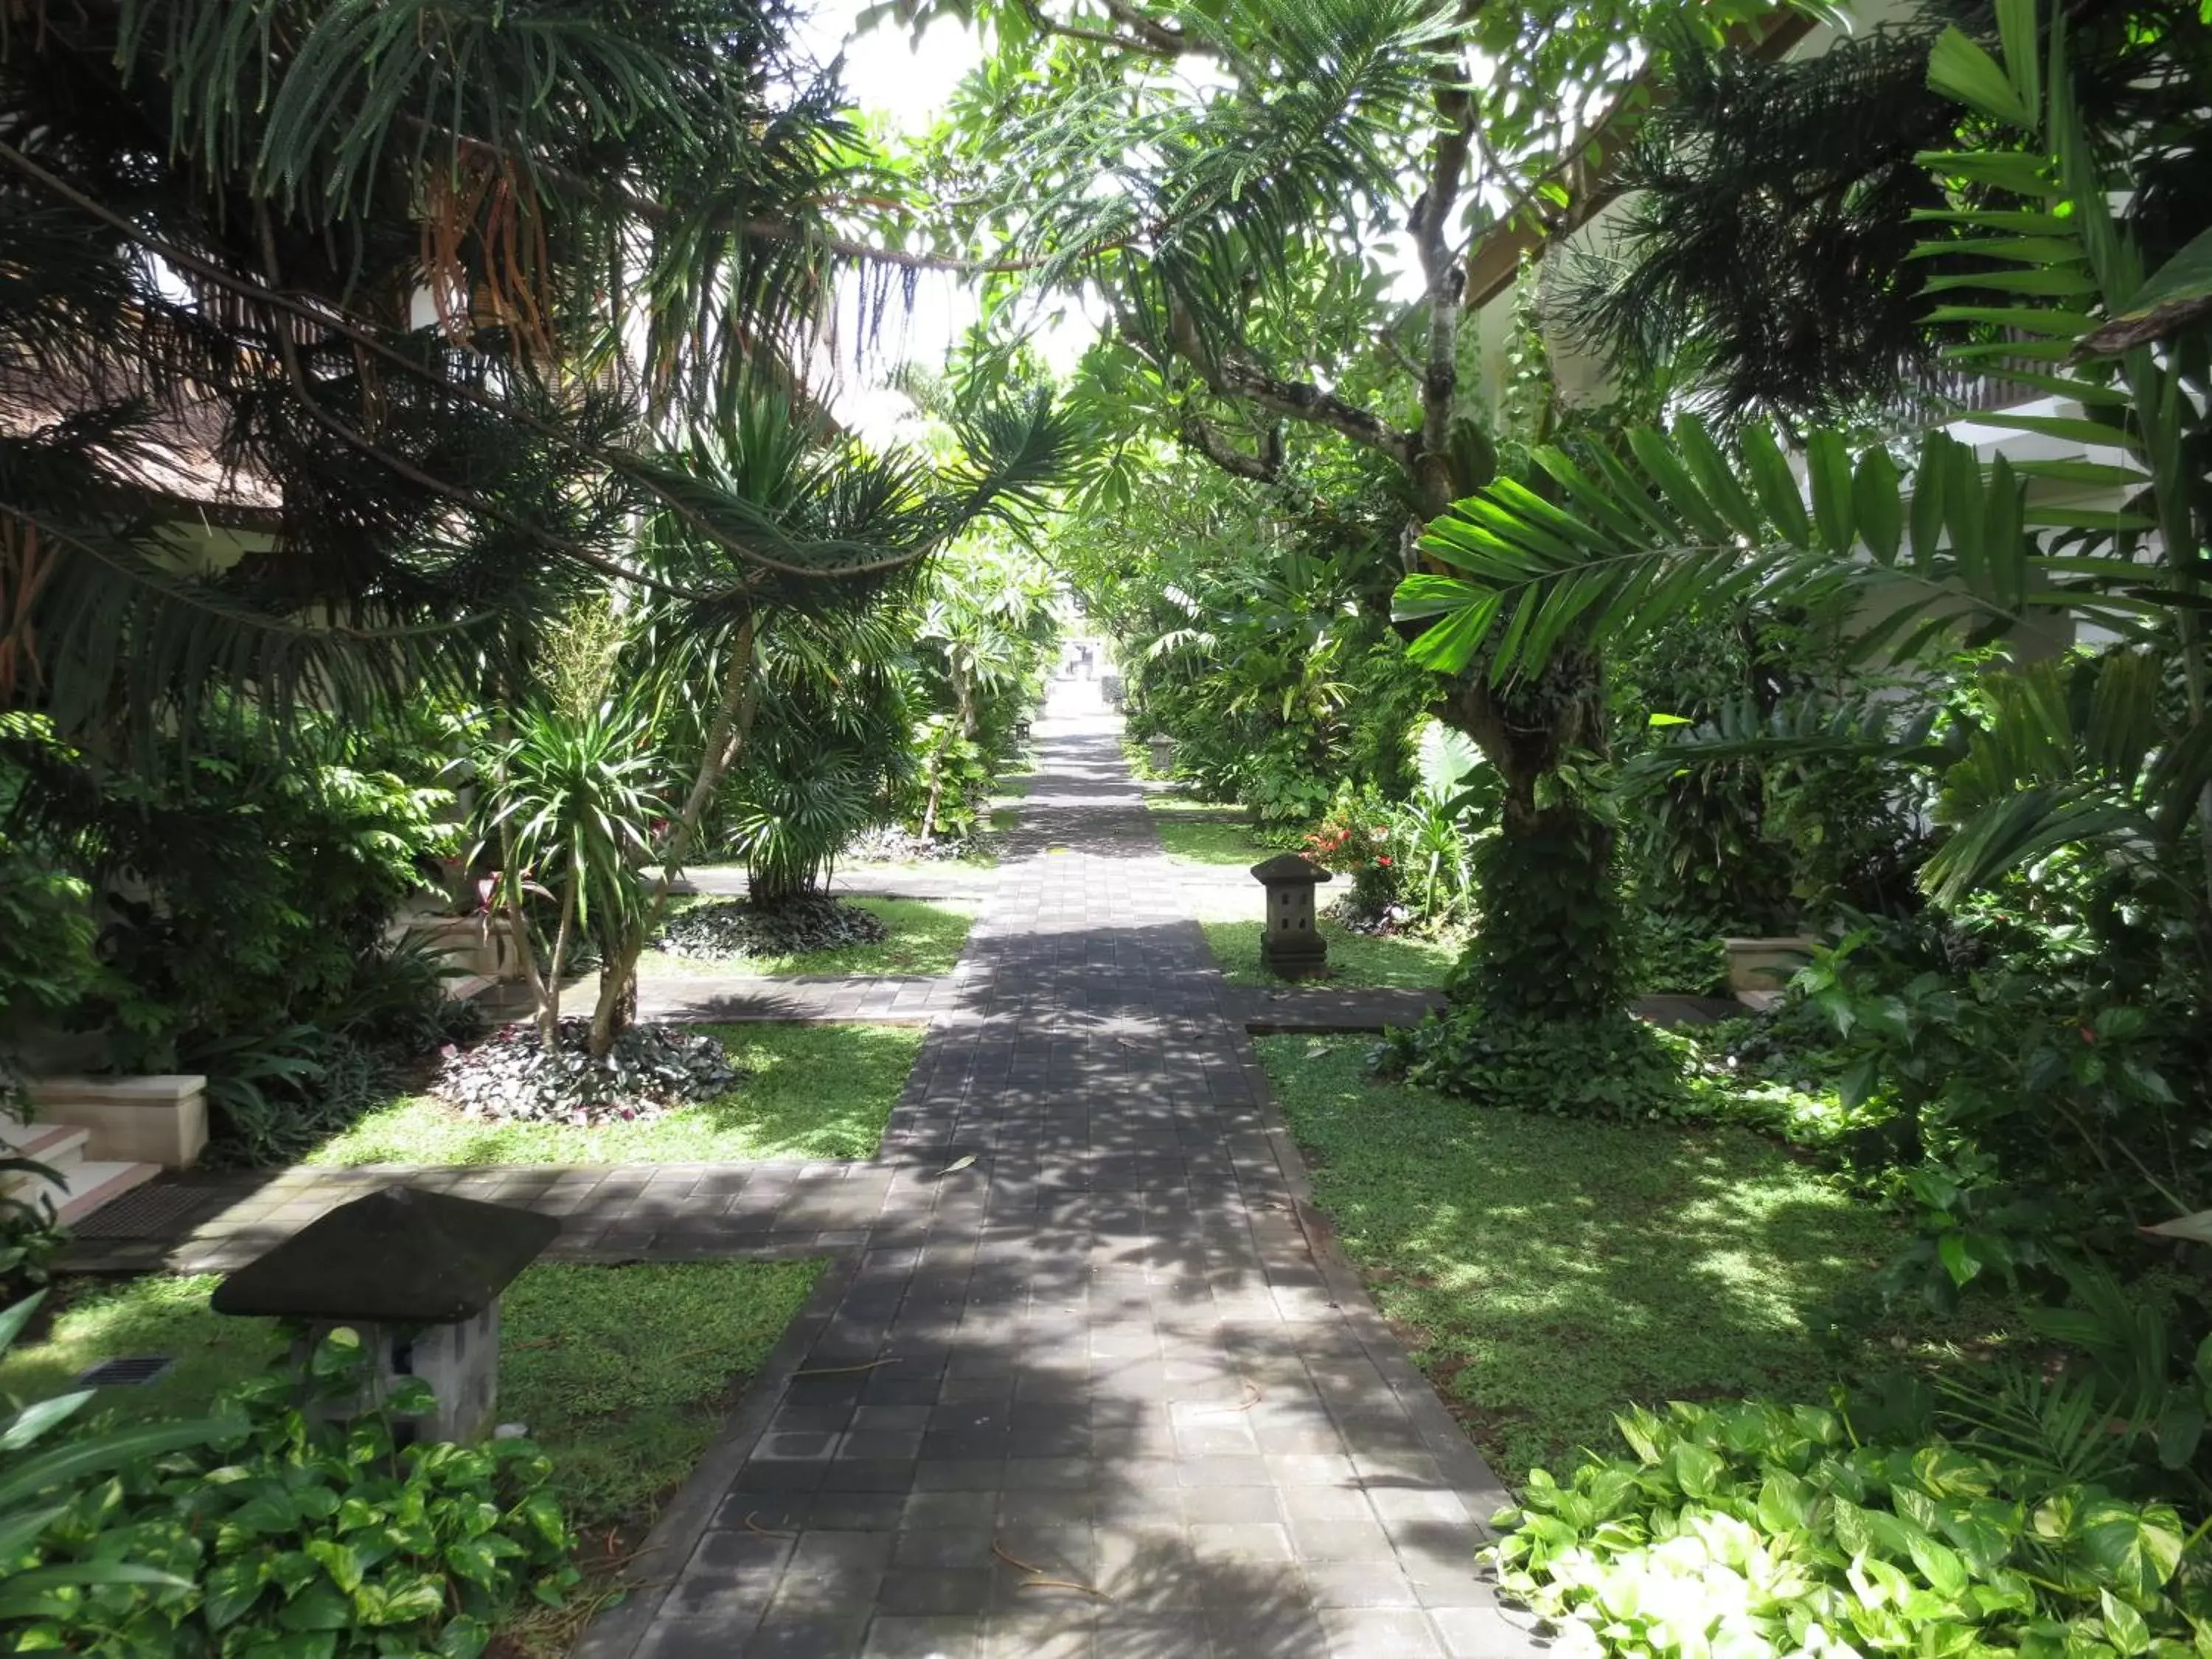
column 160, row 1119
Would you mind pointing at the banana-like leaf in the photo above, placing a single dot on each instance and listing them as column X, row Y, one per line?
column 2019, row 829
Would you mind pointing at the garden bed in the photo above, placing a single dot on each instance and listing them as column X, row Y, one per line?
column 923, row 938
column 1547, row 1272
column 806, row 1091
column 622, row 1376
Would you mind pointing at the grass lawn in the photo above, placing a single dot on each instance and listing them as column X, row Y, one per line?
column 623, row 1375
column 1355, row 960
column 1203, row 833
column 814, row 1092
column 926, row 938
column 1547, row 1271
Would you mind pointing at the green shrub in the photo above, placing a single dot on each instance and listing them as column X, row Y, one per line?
column 1745, row 1530
column 1683, row 956
column 285, row 1536
column 43, row 1486
column 1616, row 1066
column 1613, row 1067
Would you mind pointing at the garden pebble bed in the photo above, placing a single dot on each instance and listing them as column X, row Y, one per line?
column 734, row 929
column 512, row 1076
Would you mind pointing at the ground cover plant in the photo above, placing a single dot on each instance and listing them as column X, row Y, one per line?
column 805, row 1092
column 920, row 937
column 622, row 1376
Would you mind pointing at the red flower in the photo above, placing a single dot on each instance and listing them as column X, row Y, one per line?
column 2087, row 1036
column 1385, row 858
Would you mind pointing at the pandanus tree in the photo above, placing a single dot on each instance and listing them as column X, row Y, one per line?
column 792, row 638
column 2111, row 750
column 342, row 344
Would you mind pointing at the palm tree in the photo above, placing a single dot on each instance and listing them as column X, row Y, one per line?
column 1611, row 543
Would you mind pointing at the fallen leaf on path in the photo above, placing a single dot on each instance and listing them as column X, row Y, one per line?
column 956, row 1165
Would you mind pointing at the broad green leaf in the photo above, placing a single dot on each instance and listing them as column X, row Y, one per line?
column 2124, row 1627
column 2023, row 175
column 1715, row 477
column 1878, row 494
column 2055, row 281
column 342, row 1562
column 233, row 1587
column 2016, row 36
column 1777, row 488
column 1828, row 465
column 2137, row 1549
column 1962, row 71
column 1663, row 465
column 37, row 1418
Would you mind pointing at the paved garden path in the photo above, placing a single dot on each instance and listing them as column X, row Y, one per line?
column 1092, row 1381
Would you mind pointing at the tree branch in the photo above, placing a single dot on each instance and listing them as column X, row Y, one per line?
column 1301, row 400
column 1149, row 47
column 1266, row 467
column 1442, row 278
column 1167, row 40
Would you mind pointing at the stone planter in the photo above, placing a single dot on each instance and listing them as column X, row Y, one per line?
column 479, row 946
column 1757, row 968
column 129, row 1119
column 1163, row 754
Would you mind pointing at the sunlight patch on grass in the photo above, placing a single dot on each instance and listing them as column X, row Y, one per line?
column 812, row 1092
column 1356, row 961
column 1548, row 1271
column 1201, row 832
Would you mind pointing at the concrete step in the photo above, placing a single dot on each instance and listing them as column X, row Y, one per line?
column 80, row 1185
column 57, row 1145
column 89, row 1186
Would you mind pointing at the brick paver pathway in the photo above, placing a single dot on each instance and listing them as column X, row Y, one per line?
column 1104, row 1390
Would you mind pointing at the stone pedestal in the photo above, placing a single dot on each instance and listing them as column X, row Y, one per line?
column 418, row 1276
column 1757, row 968
column 459, row 1361
column 1291, row 944
column 480, row 945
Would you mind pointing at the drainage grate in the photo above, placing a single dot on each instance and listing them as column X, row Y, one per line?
column 134, row 1372
column 147, row 1212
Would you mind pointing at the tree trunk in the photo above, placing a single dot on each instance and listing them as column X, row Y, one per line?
column 725, row 740
column 1550, row 940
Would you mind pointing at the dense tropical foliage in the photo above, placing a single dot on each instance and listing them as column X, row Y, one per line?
column 1619, row 484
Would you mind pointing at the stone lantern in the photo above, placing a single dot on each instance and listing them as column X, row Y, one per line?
column 1291, row 944
column 418, row 1276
